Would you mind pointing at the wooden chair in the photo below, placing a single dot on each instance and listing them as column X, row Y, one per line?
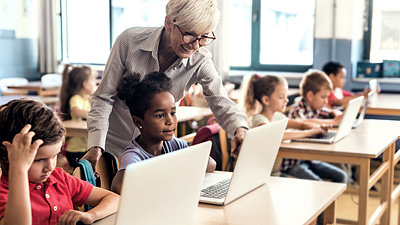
column 220, row 146
column 107, row 167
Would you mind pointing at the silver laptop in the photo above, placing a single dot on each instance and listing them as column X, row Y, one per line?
column 253, row 166
column 361, row 116
column 164, row 189
column 349, row 116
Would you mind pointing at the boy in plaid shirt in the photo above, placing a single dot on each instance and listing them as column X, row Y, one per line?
column 315, row 88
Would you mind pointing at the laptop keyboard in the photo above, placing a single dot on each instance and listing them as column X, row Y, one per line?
column 326, row 136
column 217, row 190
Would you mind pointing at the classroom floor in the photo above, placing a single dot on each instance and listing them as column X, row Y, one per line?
column 347, row 206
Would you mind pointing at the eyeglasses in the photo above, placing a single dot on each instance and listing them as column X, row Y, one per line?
column 189, row 38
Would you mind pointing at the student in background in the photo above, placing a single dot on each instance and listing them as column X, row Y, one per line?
column 315, row 88
column 153, row 111
column 78, row 84
column 337, row 74
column 269, row 93
column 32, row 189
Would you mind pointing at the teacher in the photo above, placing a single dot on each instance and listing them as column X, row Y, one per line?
column 178, row 50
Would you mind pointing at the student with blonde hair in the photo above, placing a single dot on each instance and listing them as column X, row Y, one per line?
column 265, row 101
column 315, row 88
column 178, row 49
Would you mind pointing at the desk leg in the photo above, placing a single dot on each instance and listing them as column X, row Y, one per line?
column 364, row 191
column 387, row 184
column 330, row 214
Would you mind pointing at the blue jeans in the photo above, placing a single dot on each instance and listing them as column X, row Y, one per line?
column 317, row 170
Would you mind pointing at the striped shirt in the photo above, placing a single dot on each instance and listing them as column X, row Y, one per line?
column 110, row 125
column 135, row 153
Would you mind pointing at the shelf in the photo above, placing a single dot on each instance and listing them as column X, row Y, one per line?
column 389, row 80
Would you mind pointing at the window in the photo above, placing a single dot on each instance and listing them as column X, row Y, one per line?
column 263, row 35
column 271, row 35
column 85, row 36
column 139, row 13
column 86, row 31
column 385, row 31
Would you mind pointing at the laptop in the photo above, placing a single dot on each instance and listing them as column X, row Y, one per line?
column 349, row 116
column 164, row 189
column 361, row 116
column 253, row 166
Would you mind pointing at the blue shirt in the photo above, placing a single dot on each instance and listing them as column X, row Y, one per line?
column 135, row 153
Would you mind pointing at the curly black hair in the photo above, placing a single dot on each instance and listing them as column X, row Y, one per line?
column 15, row 114
column 138, row 93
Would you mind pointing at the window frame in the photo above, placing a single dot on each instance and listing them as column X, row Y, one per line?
column 255, row 48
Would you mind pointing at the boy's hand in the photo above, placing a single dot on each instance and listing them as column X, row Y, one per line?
column 336, row 120
column 309, row 125
column 21, row 152
column 317, row 131
column 72, row 217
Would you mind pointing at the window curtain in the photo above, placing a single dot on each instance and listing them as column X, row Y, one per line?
column 220, row 46
column 47, row 36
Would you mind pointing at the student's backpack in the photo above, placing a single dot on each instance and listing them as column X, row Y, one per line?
column 107, row 167
column 220, row 145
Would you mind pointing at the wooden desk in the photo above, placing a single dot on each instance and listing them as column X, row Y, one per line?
column 281, row 201
column 183, row 113
column 366, row 142
column 393, row 127
column 36, row 86
column 385, row 104
column 75, row 128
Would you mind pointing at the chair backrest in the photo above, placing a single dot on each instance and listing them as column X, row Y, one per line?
column 107, row 167
column 219, row 148
column 13, row 81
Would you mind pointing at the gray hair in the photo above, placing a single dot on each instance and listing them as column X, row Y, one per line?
column 199, row 16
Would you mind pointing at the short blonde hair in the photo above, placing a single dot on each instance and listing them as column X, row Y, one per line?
column 314, row 81
column 198, row 16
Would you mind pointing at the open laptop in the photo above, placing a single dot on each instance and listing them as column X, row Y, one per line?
column 349, row 116
column 253, row 166
column 361, row 116
column 164, row 189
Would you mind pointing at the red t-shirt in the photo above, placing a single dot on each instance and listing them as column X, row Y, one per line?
column 51, row 199
column 332, row 96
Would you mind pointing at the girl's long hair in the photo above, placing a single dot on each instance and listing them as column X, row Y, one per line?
column 72, row 83
column 257, row 87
